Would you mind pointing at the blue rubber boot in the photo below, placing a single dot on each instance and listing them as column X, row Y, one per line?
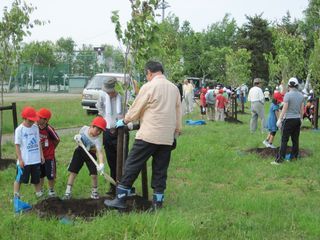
column 157, row 201
column 119, row 202
column 20, row 206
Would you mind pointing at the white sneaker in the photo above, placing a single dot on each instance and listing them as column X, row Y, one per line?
column 266, row 143
column 39, row 194
column 272, row 146
column 51, row 193
column 94, row 195
column 67, row 196
column 275, row 163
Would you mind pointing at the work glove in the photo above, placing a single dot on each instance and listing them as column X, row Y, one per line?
column 279, row 123
column 100, row 168
column 120, row 123
column 77, row 138
column 130, row 125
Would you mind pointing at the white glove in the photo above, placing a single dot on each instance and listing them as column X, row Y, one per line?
column 77, row 138
column 130, row 125
column 279, row 123
column 100, row 168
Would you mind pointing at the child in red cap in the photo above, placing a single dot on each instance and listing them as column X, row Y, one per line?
column 221, row 103
column 89, row 136
column 49, row 141
column 203, row 102
column 29, row 152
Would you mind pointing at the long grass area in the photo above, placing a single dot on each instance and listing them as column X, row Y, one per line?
column 215, row 190
column 66, row 112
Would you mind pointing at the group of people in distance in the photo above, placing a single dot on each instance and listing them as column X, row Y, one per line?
column 286, row 113
column 158, row 109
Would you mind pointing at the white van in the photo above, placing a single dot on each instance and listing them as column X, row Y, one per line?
column 90, row 94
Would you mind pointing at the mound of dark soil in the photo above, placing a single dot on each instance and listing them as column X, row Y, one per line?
column 232, row 120
column 84, row 208
column 272, row 152
column 5, row 163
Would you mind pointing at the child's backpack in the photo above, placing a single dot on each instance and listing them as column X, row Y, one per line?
column 210, row 97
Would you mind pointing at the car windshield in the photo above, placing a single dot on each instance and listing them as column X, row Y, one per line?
column 97, row 81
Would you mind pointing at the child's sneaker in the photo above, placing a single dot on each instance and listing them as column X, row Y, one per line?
column 51, row 193
column 67, row 196
column 39, row 194
column 266, row 143
column 94, row 195
column 272, row 146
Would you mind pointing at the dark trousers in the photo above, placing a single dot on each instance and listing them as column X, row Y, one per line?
column 290, row 128
column 141, row 151
column 110, row 147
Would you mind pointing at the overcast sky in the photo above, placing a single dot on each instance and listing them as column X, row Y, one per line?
column 88, row 22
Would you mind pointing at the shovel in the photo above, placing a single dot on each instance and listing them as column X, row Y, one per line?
column 106, row 176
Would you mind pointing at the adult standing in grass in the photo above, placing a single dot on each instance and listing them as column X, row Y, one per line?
column 109, row 107
column 290, row 120
column 256, row 97
column 158, row 107
column 188, row 96
column 211, row 101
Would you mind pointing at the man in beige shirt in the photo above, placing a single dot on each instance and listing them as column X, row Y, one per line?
column 158, row 107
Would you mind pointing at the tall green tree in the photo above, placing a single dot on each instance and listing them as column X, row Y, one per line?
column 221, row 34
column 192, row 50
column 114, row 60
column 256, row 37
column 85, row 63
column 64, row 50
column 169, row 51
column 288, row 59
column 15, row 24
column 310, row 27
column 213, row 63
column 139, row 37
column 314, row 63
column 39, row 55
column 238, row 67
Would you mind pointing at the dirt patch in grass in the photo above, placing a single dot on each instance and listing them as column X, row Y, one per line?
column 84, row 208
column 5, row 163
column 272, row 152
column 232, row 120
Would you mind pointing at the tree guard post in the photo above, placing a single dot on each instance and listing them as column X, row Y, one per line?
column 120, row 151
column 14, row 115
column 316, row 113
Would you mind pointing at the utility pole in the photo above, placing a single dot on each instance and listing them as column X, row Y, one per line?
column 163, row 5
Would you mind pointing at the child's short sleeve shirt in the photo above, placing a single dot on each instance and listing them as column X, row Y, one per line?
column 29, row 140
column 90, row 142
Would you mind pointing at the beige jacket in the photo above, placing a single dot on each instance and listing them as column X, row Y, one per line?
column 158, row 107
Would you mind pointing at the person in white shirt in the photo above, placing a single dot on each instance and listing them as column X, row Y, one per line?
column 109, row 107
column 256, row 97
column 188, row 96
column 29, row 152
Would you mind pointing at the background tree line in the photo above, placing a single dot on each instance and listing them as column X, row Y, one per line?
column 224, row 51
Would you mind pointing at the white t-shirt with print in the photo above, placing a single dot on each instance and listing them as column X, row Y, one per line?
column 89, row 141
column 29, row 140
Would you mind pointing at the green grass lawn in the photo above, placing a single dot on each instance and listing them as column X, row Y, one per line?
column 66, row 112
column 215, row 190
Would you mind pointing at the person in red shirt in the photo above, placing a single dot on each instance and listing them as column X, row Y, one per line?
column 221, row 103
column 203, row 102
column 49, row 140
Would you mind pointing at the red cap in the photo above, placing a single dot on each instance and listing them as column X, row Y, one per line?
column 99, row 122
column 204, row 90
column 30, row 114
column 278, row 96
column 44, row 113
column 221, row 91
